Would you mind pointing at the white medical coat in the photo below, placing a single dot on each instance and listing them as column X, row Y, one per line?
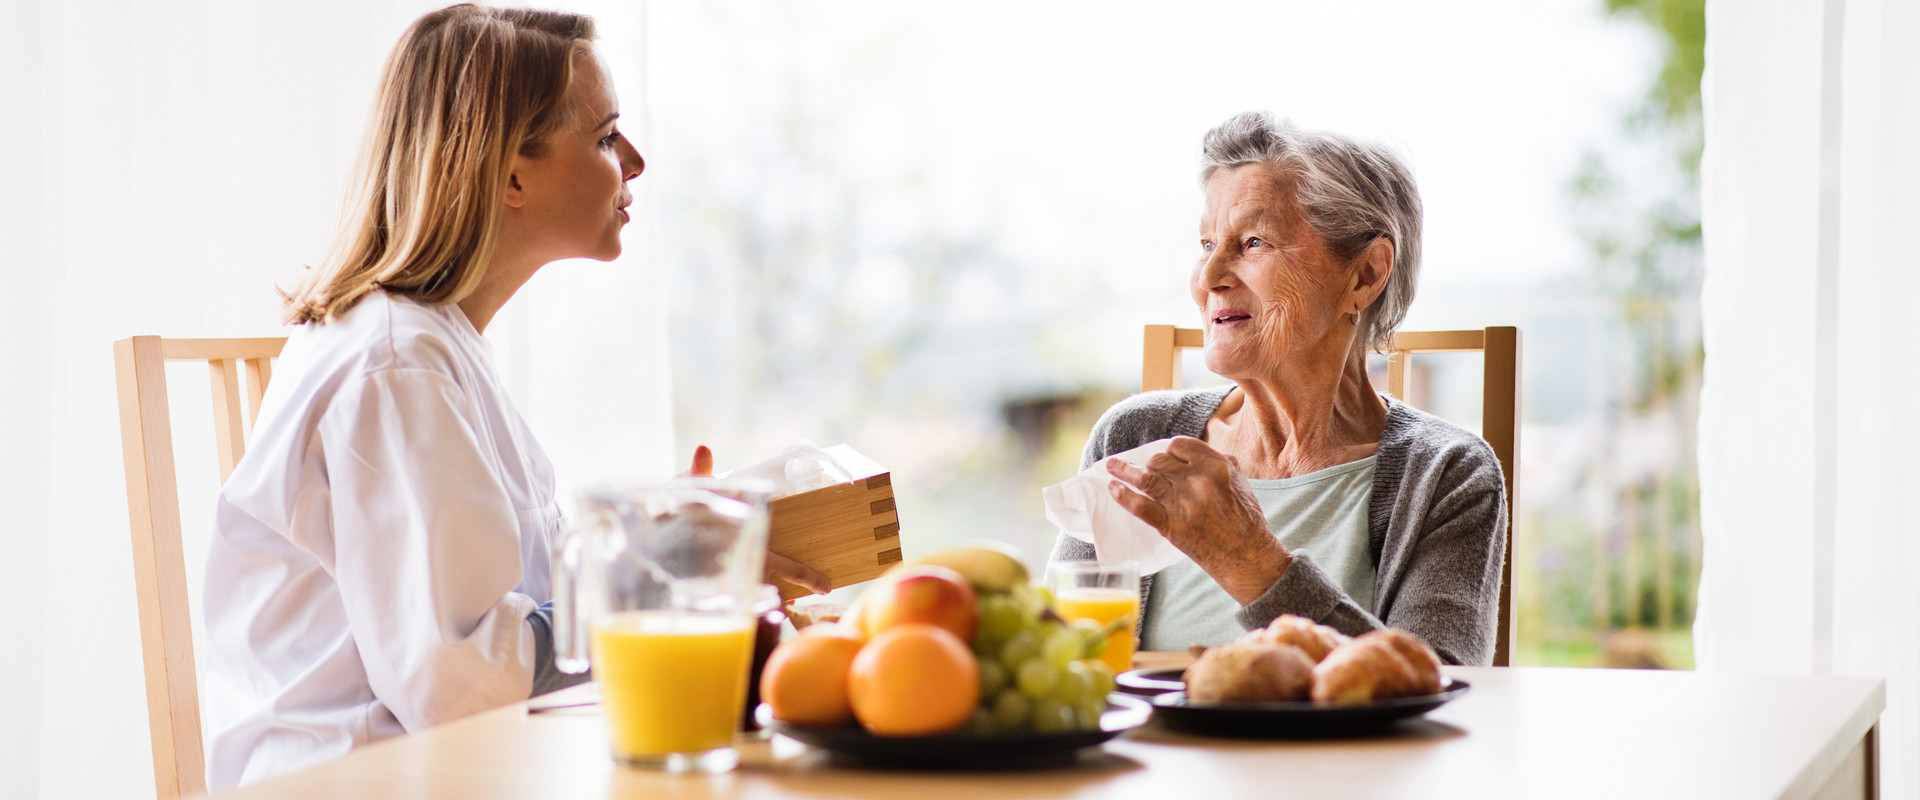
column 376, row 553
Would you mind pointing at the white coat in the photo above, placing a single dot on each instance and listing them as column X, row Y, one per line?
column 376, row 553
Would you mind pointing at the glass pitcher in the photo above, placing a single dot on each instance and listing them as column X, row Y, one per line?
column 654, row 589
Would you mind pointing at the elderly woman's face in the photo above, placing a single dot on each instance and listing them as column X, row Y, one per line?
column 1267, row 287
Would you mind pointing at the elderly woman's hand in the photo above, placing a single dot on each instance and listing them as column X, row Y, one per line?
column 1196, row 497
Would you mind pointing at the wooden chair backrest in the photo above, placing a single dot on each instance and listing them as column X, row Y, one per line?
column 1499, row 409
column 153, row 504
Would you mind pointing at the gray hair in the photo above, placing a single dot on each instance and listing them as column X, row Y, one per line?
column 1348, row 191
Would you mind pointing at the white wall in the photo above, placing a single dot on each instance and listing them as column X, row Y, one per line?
column 167, row 164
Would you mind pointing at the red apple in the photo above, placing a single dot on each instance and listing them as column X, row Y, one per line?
column 926, row 594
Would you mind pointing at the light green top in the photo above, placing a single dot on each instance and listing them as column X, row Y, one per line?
column 1321, row 514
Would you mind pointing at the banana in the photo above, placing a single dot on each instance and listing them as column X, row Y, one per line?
column 991, row 568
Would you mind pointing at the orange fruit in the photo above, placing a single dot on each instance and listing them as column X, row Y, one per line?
column 914, row 680
column 805, row 680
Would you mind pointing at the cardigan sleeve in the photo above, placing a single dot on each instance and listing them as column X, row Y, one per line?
column 1454, row 512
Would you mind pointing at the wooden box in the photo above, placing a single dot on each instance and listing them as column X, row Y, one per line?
column 849, row 531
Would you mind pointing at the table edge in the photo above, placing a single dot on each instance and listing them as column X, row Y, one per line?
column 1864, row 718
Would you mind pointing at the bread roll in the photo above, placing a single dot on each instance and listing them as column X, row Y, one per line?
column 1426, row 665
column 1379, row 665
column 1312, row 638
column 1250, row 672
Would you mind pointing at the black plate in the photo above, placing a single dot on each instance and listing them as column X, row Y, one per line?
column 851, row 743
column 1151, row 682
column 1291, row 720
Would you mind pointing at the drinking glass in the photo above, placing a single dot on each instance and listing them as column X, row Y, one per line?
column 654, row 589
column 1102, row 592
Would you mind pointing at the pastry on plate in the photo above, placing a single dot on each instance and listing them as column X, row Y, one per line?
column 1245, row 671
column 1312, row 638
column 1379, row 665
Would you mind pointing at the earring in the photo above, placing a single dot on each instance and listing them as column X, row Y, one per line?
column 1353, row 318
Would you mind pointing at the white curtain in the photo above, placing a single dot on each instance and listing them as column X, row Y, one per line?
column 1806, row 462
column 168, row 163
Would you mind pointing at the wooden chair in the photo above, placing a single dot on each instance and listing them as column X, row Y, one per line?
column 1499, row 415
column 153, row 504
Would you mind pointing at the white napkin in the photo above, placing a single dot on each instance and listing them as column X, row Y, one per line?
column 1082, row 508
column 802, row 467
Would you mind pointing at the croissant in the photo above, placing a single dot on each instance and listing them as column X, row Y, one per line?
column 1376, row 666
column 1312, row 638
column 1250, row 672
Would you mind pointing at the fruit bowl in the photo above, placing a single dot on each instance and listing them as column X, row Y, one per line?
column 854, row 745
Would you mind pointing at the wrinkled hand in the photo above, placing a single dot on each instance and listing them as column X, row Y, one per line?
column 779, row 568
column 1196, row 497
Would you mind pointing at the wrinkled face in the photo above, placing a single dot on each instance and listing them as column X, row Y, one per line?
column 1267, row 287
column 574, row 193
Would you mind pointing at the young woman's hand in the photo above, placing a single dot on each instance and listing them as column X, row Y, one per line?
column 779, row 568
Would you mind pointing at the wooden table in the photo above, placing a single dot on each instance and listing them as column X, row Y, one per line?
column 1521, row 732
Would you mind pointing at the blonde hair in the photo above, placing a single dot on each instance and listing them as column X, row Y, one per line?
column 465, row 90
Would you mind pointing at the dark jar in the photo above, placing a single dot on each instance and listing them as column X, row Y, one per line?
column 767, row 616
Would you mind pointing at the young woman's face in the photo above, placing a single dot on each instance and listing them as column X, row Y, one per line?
column 573, row 197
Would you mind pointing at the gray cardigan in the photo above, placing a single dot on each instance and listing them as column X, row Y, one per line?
column 1437, row 521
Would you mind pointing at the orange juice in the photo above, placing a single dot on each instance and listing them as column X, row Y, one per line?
column 671, row 682
column 1104, row 606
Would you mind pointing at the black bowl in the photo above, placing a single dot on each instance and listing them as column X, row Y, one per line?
column 1296, row 720
column 854, row 745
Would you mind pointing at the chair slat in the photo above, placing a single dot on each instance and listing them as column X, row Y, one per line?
column 207, row 349
column 1440, row 341
column 229, row 435
column 1500, row 426
column 259, row 371
column 159, row 568
column 1161, row 367
column 1397, row 374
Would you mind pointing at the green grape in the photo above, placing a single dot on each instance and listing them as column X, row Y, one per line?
column 1073, row 685
column 1036, row 677
column 1000, row 618
column 1062, row 648
column 1089, row 712
column 1045, row 595
column 980, row 723
column 1011, row 710
column 1101, row 675
column 993, row 677
column 1020, row 647
column 1053, row 716
column 1093, row 640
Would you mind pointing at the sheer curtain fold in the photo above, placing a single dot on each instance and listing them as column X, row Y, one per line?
column 171, row 163
column 1811, row 115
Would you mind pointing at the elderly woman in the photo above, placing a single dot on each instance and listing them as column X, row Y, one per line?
column 1298, row 489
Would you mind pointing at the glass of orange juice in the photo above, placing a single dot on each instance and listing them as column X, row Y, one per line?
column 654, row 590
column 1102, row 592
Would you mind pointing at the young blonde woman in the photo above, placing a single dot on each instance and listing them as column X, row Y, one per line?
column 379, row 559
